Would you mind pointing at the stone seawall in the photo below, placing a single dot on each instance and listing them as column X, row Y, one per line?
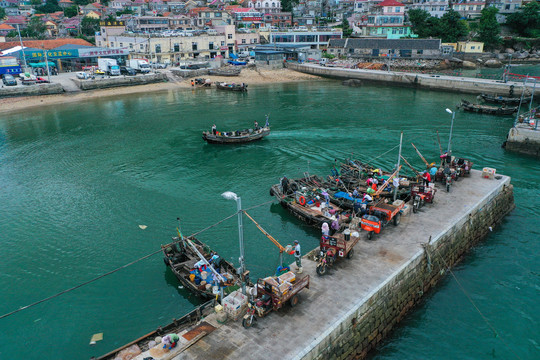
column 119, row 81
column 366, row 325
column 421, row 81
column 524, row 141
column 31, row 90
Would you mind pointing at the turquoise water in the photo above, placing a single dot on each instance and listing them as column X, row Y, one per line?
column 77, row 181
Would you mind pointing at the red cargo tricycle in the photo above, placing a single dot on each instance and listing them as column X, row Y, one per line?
column 381, row 214
column 421, row 194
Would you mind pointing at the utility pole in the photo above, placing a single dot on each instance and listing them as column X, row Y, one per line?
column 398, row 161
column 22, row 48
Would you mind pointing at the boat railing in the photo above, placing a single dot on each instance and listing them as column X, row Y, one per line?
column 190, row 318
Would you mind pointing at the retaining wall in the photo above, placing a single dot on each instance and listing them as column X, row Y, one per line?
column 375, row 316
column 31, row 90
column 104, row 83
column 425, row 81
column 524, row 141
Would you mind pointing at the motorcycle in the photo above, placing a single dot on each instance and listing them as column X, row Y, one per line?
column 324, row 260
column 257, row 308
column 418, row 202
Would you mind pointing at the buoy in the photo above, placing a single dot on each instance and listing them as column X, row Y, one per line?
column 302, row 200
column 143, row 226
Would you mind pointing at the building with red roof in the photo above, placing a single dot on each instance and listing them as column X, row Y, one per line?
column 387, row 20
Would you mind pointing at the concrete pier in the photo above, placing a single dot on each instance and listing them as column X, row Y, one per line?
column 525, row 139
column 31, row 90
column 422, row 81
column 349, row 311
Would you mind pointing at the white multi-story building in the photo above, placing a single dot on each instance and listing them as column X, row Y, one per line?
column 436, row 8
column 265, row 6
column 469, row 8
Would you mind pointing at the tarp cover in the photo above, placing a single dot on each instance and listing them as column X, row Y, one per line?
column 344, row 195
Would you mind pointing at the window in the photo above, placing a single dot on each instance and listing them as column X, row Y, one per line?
column 229, row 36
column 420, row 52
column 121, row 44
column 397, row 9
column 158, row 48
column 211, row 45
column 473, row 47
column 141, row 46
column 243, row 41
column 112, row 44
column 176, row 47
column 194, row 46
column 223, row 43
column 131, row 46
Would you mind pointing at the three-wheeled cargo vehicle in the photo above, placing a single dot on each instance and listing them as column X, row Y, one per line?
column 334, row 247
column 380, row 215
column 421, row 194
column 272, row 293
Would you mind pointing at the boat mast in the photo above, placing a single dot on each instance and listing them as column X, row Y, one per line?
column 398, row 167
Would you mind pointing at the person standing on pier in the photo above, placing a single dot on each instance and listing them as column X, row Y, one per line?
column 427, row 178
column 298, row 256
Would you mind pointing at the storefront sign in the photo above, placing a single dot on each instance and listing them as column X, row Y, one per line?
column 52, row 54
column 97, row 52
column 252, row 18
column 112, row 23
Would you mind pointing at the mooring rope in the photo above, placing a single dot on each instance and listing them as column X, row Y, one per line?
column 486, row 320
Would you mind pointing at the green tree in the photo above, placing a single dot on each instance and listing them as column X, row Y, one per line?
column 81, row 2
column 452, row 28
column 287, row 5
column 418, row 19
column 35, row 2
column 347, row 30
column 89, row 26
column 526, row 21
column 488, row 28
column 71, row 11
column 49, row 7
column 2, row 13
column 35, row 29
column 125, row 11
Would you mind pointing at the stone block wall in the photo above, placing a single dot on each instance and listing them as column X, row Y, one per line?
column 364, row 327
column 119, row 81
column 31, row 90
column 524, row 141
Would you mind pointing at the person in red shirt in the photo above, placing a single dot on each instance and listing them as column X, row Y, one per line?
column 427, row 178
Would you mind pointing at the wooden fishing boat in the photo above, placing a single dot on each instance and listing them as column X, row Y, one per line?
column 498, row 99
column 486, row 109
column 307, row 204
column 235, row 137
column 231, row 71
column 176, row 326
column 181, row 256
column 231, row 87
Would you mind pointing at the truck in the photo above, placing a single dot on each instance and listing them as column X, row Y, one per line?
column 109, row 66
column 140, row 65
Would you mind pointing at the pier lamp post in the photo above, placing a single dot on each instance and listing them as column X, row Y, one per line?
column 229, row 195
column 450, row 137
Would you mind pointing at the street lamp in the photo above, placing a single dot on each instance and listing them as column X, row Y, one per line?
column 450, row 137
column 229, row 195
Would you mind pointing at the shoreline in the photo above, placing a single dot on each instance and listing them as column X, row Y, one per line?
column 248, row 76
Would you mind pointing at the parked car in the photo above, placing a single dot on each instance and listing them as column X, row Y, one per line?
column 99, row 72
column 9, row 80
column 126, row 70
column 158, row 66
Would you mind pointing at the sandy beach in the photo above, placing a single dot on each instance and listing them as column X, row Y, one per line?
column 248, row 76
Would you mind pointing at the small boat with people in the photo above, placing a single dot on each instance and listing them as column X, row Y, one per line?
column 238, row 136
column 199, row 269
column 232, row 87
column 487, row 109
column 498, row 99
